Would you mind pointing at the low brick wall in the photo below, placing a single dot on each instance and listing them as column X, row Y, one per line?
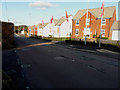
column 102, row 41
column 108, row 41
column 7, row 35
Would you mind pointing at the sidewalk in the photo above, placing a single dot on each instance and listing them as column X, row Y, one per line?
column 100, row 51
column 11, row 66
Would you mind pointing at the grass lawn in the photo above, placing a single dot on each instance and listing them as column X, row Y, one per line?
column 56, row 39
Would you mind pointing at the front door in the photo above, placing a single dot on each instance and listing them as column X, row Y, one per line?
column 86, row 32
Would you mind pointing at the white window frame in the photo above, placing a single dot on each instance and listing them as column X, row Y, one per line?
column 103, row 22
column 88, row 21
column 77, row 22
column 103, row 32
column 76, row 30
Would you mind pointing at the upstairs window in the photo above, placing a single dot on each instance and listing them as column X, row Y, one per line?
column 103, row 22
column 77, row 22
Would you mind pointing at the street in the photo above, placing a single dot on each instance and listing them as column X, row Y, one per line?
column 47, row 65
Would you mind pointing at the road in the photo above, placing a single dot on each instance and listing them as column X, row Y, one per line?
column 47, row 65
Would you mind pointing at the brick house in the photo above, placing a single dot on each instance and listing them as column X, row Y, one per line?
column 29, row 31
column 93, row 22
column 32, row 30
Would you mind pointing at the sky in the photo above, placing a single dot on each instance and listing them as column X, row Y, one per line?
column 33, row 12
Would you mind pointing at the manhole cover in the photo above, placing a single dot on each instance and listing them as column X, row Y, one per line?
column 71, row 45
column 73, row 60
column 26, row 66
column 59, row 58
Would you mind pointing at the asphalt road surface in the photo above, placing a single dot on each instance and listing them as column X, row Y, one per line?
column 47, row 65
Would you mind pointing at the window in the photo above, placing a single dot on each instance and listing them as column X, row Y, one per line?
column 103, row 22
column 76, row 31
column 88, row 21
column 77, row 22
column 103, row 33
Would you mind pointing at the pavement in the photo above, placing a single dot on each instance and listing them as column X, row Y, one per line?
column 13, row 69
column 49, row 65
column 99, row 51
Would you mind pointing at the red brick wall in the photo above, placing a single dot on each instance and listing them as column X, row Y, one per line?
column 111, row 23
column 34, row 32
column 28, row 31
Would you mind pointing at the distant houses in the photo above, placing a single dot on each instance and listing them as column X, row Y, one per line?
column 39, row 29
column 32, row 30
column 75, row 27
column 58, row 28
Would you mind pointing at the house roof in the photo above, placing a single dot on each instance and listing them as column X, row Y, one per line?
column 40, row 25
column 55, row 21
column 32, row 27
column 108, row 12
column 116, row 25
column 62, row 19
column 45, row 24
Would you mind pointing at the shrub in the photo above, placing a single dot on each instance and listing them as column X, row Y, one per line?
column 94, row 36
column 118, row 43
column 103, row 37
column 50, row 36
column 7, row 83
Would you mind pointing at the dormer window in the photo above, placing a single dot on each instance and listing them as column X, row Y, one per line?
column 103, row 22
column 77, row 22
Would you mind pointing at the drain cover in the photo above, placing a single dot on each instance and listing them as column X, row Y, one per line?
column 91, row 67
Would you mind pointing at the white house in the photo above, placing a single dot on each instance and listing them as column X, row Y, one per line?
column 39, row 30
column 64, row 28
column 48, row 30
column 116, row 31
column 59, row 28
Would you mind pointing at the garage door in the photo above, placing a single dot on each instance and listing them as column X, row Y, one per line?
column 115, row 35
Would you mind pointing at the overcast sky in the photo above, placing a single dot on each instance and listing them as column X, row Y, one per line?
column 33, row 12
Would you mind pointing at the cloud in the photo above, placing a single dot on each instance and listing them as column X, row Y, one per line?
column 41, row 5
